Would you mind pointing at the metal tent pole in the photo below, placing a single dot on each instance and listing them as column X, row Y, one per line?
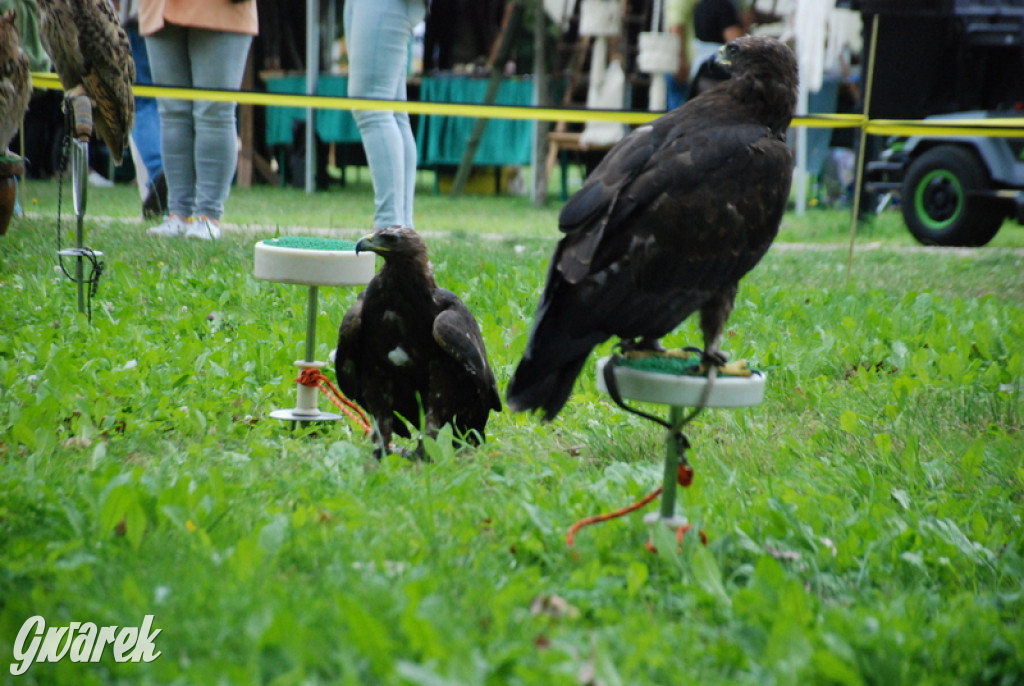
column 312, row 73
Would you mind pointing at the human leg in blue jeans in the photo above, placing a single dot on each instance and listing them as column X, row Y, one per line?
column 149, row 167
column 377, row 33
column 146, row 131
column 198, row 139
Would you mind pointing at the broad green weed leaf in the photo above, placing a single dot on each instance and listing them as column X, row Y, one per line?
column 707, row 574
column 115, row 501
column 636, row 576
column 369, row 633
column 132, row 593
column 273, row 535
column 884, row 444
column 246, row 558
column 914, row 559
column 832, row 670
column 849, row 422
column 23, row 434
column 421, row 675
column 973, row 458
column 135, row 522
column 99, row 454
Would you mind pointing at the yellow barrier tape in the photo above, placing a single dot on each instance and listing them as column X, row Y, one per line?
column 998, row 128
column 1002, row 128
column 830, row 121
column 566, row 114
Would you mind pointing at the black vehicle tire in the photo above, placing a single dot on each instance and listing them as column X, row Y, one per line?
column 936, row 204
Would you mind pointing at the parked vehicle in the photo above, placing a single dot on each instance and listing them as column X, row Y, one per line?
column 953, row 190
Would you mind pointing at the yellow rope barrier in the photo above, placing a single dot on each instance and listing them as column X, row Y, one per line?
column 328, row 102
column 1002, row 128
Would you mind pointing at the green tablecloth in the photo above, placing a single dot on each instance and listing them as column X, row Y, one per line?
column 441, row 139
column 332, row 126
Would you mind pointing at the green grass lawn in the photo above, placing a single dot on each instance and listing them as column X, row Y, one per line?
column 864, row 521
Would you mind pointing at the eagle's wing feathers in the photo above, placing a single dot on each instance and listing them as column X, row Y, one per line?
column 458, row 334
column 345, row 352
column 109, row 72
column 90, row 49
column 616, row 170
column 58, row 33
column 666, row 194
column 683, row 238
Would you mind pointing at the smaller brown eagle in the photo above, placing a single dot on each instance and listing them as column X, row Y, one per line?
column 408, row 349
column 92, row 56
column 15, row 80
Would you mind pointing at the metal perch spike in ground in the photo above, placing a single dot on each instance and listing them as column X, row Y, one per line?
column 80, row 115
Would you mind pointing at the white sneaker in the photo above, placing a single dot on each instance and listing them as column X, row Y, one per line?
column 204, row 229
column 172, row 227
column 98, row 180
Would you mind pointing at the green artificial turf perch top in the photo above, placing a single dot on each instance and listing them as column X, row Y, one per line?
column 310, row 243
column 679, row 363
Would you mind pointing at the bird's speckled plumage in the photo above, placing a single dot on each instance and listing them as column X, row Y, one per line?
column 409, row 347
column 91, row 52
column 676, row 213
column 15, row 80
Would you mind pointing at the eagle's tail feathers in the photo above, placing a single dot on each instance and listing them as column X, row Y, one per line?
column 537, row 386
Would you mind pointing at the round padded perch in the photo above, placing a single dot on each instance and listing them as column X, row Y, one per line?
column 670, row 381
column 313, row 262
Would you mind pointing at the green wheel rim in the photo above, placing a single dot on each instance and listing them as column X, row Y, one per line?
column 939, row 199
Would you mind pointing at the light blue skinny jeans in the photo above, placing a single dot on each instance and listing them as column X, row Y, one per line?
column 198, row 139
column 377, row 36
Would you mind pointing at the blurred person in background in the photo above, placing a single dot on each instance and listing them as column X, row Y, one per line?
column 197, row 44
column 377, row 33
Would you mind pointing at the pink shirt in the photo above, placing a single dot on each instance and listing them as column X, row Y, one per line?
column 216, row 15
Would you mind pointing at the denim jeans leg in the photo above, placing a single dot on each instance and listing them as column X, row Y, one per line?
column 378, row 34
column 146, row 132
column 169, row 62
column 218, row 63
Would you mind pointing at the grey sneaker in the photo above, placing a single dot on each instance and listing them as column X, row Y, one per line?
column 172, row 227
column 204, row 229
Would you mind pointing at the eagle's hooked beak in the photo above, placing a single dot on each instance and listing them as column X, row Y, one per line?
column 724, row 56
column 366, row 244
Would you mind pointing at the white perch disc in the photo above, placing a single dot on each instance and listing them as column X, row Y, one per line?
column 312, row 261
column 684, row 390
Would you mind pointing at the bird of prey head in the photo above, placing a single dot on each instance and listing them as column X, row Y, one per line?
column 766, row 65
column 394, row 240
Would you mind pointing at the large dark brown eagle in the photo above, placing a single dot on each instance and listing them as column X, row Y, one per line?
column 15, row 80
column 666, row 225
column 408, row 348
column 91, row 54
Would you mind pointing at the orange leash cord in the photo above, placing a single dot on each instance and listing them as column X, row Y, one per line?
column 314, row 377
column 685, row 478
